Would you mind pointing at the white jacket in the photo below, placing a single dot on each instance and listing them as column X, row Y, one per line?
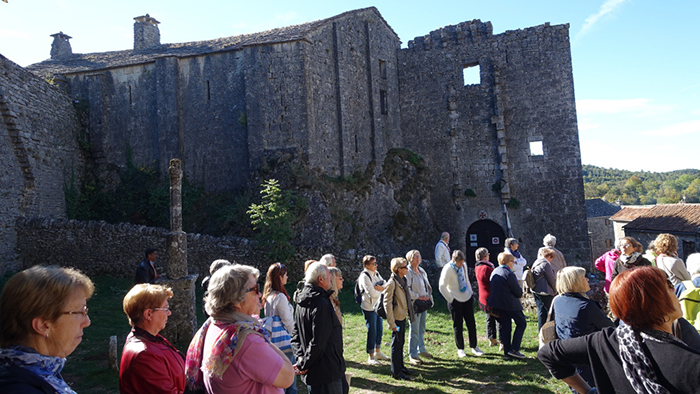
column 370, row 296
column 449, row 284
column 277, row 304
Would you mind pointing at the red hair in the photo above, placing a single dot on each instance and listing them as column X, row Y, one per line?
column 640, row 297
column 273, row 281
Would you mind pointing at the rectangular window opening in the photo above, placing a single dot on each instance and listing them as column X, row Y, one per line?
column 382, row 69
column 536, row 148
column 208, row 91
column 130, row 100
column 471, row 74
column 383, row 100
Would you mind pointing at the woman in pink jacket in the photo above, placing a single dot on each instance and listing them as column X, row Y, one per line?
column 606, row 262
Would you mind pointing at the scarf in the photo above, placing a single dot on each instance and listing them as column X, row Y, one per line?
column 236, row 327
column 515, row 253
column 629, row 261
column 404, row 287
column 637, row 366
column 460, row 276
column 47, row 367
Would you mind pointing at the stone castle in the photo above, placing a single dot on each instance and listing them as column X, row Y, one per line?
column 502, row 148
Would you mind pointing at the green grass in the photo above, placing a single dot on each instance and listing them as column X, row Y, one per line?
column 87, row 369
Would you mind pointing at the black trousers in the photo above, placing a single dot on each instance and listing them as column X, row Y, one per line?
column 398, row 340
column 463, row 311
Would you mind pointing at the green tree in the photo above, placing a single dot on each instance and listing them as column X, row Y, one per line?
column 273, row 219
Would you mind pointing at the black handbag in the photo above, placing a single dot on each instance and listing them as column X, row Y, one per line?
column 420, row 306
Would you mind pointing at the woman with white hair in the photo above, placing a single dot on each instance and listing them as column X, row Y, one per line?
column 575, row 314
column 232, row 351
column 558, row 262
column 693, row 265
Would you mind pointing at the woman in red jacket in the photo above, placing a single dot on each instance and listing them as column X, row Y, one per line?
column 150, row 364
column 483, row 276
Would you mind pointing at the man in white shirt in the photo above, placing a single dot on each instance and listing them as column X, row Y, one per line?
column 442, row 250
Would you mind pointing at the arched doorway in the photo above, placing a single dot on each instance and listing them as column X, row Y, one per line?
column 487, row 234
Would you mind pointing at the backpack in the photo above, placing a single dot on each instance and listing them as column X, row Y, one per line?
column 690, row 303
column 529, row 279
column 379, row 307
column 358, row 290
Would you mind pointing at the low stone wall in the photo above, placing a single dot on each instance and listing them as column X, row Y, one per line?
column 100, row 248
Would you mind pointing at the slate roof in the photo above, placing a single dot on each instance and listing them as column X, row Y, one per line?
column 670, row 218
column 84, row 62
column 595, row 207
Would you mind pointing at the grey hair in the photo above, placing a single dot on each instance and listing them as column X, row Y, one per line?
column 444, row 235
column 510, row 241
column 327, row 259
column 227, row 286
column 315, row 270
column 568, row 280
column 693, row 263
column 217, row 264
column 481, row 253
column 550, row 241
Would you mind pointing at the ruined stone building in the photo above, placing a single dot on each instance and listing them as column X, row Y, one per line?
column 502, row 147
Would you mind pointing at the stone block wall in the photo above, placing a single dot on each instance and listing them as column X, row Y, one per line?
column 38, row 150
column 477, row 136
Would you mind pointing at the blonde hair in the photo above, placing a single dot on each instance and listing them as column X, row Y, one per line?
column 547, row 252
column 37, row 292
column 505, row 258
column 398, row 262
column 335, row 273
column 569, row 280
column 142, row 297
column 410, row 255
column 666, row 243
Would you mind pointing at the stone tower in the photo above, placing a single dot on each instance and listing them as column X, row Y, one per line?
column 146, row 32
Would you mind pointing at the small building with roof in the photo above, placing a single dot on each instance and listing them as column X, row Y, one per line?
column 601, row 232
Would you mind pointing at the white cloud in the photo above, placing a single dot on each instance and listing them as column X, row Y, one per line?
column 612, row 106
column 676, row 129
column 605, row 9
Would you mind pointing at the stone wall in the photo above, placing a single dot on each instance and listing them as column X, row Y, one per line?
column 477, row 136
column 38, row 150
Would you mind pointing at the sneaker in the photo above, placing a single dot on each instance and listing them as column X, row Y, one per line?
column 372, row 360
column 500, row 347
column 515, row 354
column 415, row 360
column 477, row 351
column 460, row 353
column 425, row 355
column 380, row 356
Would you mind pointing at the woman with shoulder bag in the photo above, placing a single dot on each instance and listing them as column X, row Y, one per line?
column 371, row 285
column 278, row 308
column 397, row 302
column 422, row 296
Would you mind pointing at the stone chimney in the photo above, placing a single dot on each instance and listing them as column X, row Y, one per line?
column 60, row 48
column 146, row 33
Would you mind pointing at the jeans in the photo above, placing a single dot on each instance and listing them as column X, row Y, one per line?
column 463, row 311
column 415, row 343
column 507, row 317
column 374, row 330
column 543, row 301
column 293, row 388
column 398, row 340
column 338, row 386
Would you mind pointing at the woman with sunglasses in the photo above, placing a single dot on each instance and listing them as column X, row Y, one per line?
column 371, row 286
column 630, row 257
column 277, row 306
column 232, row 352
column 150, row 364
column 43, row 313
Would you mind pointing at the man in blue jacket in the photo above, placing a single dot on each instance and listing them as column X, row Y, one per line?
column 505, row 298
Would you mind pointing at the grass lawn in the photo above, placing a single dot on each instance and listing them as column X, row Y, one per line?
column 87, row 369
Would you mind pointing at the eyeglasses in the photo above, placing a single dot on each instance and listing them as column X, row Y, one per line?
column 256, row 289
column 83, row 311
column 404, row 267
column 161, row 309
column 374, row 263
column 625, row 245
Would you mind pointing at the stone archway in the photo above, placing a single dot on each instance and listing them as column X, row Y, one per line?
column 487, row 234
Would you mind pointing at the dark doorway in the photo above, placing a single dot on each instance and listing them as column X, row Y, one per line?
column 688, row 249
column 487, row 234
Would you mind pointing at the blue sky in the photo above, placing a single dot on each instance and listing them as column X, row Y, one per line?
column 636, row 62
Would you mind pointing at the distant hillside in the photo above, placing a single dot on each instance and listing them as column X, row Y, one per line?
column 641, row 188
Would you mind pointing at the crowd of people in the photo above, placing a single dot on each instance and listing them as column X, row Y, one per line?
column 260, row 341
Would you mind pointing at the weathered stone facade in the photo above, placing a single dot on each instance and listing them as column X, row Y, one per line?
column 339, row 94
column 38, row 150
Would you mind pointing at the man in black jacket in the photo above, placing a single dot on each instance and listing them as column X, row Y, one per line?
column 318, row 336
column 146, row 271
